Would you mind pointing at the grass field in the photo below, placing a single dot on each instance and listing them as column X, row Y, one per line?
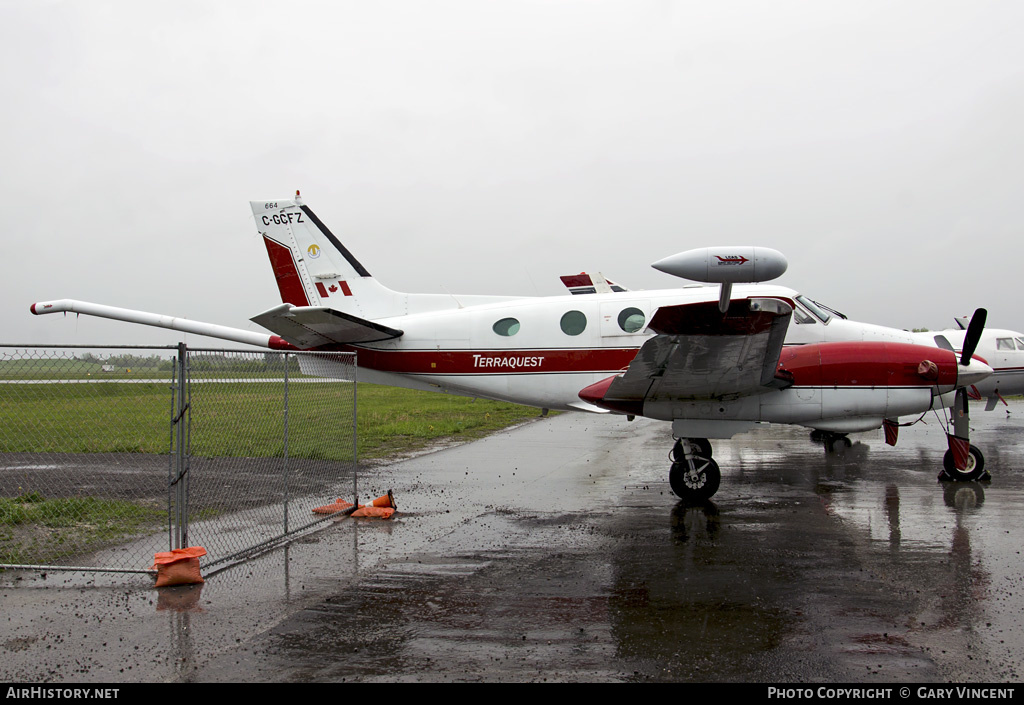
column 35, row 530
column 228, row 418
column 242, row 419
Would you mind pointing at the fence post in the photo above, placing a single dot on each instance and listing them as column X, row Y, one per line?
column 355, row 429
column 286, row 362
column 181, row 449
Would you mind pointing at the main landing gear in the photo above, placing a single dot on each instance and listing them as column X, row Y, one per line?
column 694, row 475
column 833, row 442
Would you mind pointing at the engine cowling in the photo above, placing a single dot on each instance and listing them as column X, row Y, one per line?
column 878, row 364
column 853, row 386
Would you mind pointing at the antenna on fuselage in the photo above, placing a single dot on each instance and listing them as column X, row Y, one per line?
column 454, row 298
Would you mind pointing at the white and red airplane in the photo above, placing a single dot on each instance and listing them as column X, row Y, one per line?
column 714, row 361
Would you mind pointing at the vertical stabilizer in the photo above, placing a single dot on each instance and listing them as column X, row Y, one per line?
column 313, row 267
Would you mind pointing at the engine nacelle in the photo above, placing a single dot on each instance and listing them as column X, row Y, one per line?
column 725, row 265
column 847, row 387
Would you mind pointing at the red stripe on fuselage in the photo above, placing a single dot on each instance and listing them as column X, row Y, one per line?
column 491, row 362
column 287, row 274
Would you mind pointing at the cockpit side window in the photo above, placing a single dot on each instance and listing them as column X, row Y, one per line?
column 800, row 317
column 1020, row 343
column 816, row 310
column 943, row 342
column 1004, row 344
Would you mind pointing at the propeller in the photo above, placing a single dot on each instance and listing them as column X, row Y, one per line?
column 973, row 336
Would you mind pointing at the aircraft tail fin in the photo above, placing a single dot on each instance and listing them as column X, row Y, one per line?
column 313, row 268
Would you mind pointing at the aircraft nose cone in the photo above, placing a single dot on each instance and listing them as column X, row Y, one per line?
column 966, row 375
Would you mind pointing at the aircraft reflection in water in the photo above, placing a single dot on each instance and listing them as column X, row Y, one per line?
column 713, row 361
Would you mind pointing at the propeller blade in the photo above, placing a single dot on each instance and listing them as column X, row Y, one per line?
column 974, row 330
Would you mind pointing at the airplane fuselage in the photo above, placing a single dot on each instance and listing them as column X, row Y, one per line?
column 543, row 351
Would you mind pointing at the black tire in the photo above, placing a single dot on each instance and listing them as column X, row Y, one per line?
column 702, row 447
column 837, row 444
column 974, row 471
column 695, row 487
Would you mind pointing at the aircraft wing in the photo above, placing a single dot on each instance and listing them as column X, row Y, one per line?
column 700, row 354
column 314, row 326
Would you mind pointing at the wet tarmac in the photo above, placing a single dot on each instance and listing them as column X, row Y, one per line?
column 557, row 552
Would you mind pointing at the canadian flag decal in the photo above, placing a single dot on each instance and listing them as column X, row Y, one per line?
column 333, row 289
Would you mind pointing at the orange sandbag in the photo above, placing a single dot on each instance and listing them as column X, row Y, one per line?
column 338, row 506
column 178, row 567
column 382, row 512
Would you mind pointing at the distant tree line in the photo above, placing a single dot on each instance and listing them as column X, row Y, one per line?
column 129, row 361
column 225, row 362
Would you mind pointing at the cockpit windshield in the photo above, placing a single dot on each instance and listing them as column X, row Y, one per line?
column 816, row 309
column 830, row 310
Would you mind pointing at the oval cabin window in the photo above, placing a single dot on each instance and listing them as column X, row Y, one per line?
column 573, row 323
column 506, row 327
column 631, row 320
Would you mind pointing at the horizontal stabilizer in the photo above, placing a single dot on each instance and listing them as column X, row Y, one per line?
column 309, row 327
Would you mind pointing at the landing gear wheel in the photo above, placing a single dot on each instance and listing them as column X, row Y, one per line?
column 695, row 485
column 701, row 446
column 837, row 443
column 833, row 442
column 975, row 469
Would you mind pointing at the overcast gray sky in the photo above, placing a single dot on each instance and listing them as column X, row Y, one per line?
column 489, row 147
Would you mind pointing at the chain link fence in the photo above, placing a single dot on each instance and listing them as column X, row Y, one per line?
column 109, row 455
